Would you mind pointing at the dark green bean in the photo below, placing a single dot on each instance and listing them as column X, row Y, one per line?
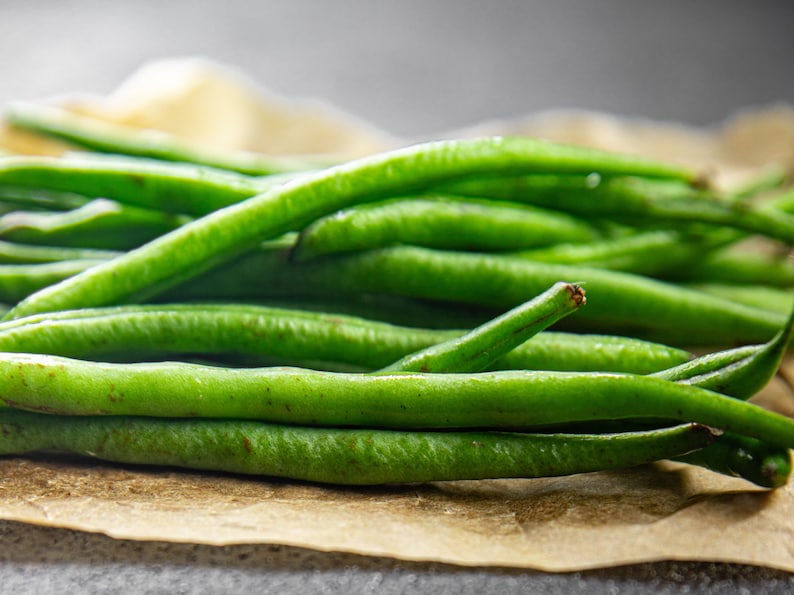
column 620, row 302
column 355, row 457
column 227, row 233
column 478, row 349
column 515, row 400
column 749, row 458
column 440, row 222
column 263, row 333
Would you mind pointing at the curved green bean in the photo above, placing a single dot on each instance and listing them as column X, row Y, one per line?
column 440, row 222
column 637, row 201
column 99, row 224
column 12, row 253
column 514, row 400
column 340, row 456
column 168, row 187
column 260, row 334
column 619, row 302
column 18, row 281
column 478, row 349
column 211, row 240
column 107, row 137
column 742, row 378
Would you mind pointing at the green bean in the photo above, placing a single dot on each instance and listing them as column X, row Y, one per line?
column 510, row 399
column 620, row 302
column 198, row 246
column 11, row 253
column 646, row 253
column 107, row 137
column 774, row 299
column 440, row 222
column 749, row 458
column 99, row 224
column 636, row 200
column 168, row 187
column 20, row 280
column 261, row 334
column 43, row 199
column 730, row 266
column 340, row 456
column 478, row 349
column 742, row 378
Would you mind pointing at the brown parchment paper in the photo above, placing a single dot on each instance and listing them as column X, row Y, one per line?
column 663, row 511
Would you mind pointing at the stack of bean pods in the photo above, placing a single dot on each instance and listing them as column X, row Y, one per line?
column 387, row 319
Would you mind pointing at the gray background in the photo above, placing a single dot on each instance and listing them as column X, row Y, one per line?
column 412, row 68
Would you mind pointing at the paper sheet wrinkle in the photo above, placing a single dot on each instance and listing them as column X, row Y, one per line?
column 662, row 511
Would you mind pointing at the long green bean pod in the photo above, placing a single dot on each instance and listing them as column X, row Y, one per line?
column 12, row 253
column 99, row 224
column 478, row 349
column 637, row 201
column 260, row 334
column 209, row 241
column 18, row 281
column 35, row 198
column 741, row 377
column 440, row 222
column 618, row 302
column 510, row 399
column 168, row 187
column 107, row 137
column 340, row 456
column 730, row 266
column 646, row 253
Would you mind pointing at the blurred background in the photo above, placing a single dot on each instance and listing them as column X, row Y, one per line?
column 413, row 67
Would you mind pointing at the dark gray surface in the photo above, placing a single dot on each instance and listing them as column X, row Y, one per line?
column 89, row 563
column 413, row 68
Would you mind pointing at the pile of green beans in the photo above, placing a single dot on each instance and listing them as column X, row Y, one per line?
column 415, row 315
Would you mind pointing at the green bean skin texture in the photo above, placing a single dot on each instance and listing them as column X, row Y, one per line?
column 731, row 267
column 340, row 456
column 33, row 198
column 107, row 137
column 260, row 333
column 751, row 459
column 478, row 349
column 167, row 187
column 440, row 222
column 99, row 224
column 746, row 377
column 619, row 302
column 227, row 233
column 13, row 253
column 774, row 299
column 651, row 253
column 20, row 280
column 507, row 400
column 636, row 200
